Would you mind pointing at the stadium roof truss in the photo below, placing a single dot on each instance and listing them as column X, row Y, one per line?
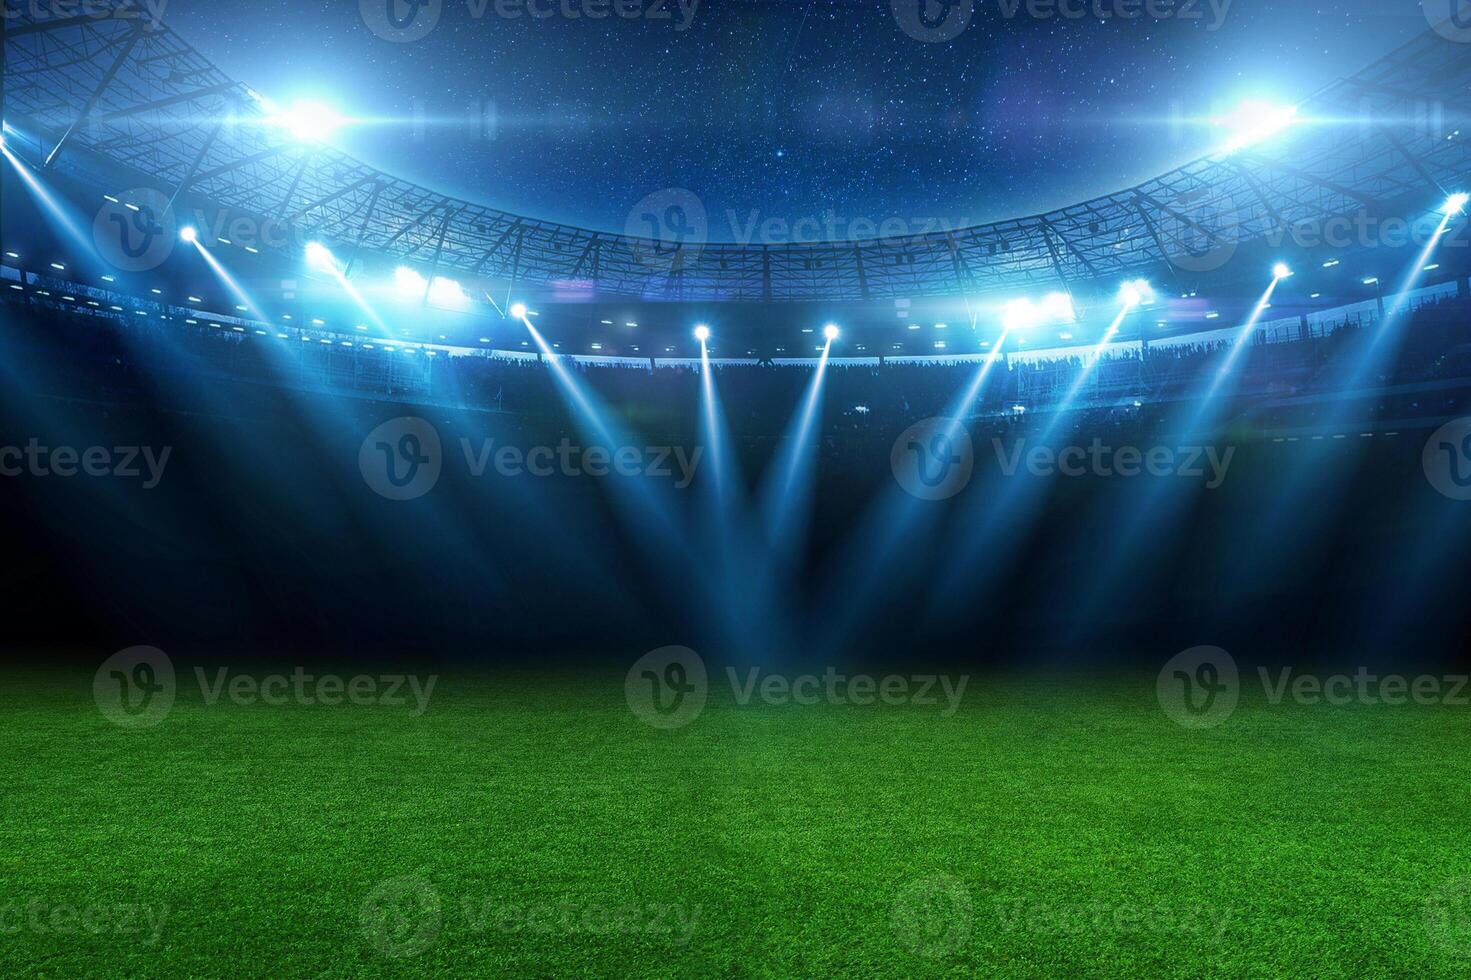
column 143, row 98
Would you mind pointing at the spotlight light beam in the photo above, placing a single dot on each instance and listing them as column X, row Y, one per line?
column 1207, row 400
column 1308, row 472
column 896, row 521
column 648, row 517
column 1010, row 514
column 53, row 206
column 749, row 617
column 716, row 436
column 321, row 258
column 787, row 492
column 236, row 290
column 1164, row 504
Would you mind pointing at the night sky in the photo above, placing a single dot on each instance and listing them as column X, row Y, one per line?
column 787, row 109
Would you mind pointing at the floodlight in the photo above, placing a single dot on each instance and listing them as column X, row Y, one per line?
column 518, row 311
column 310, row 121
column 189, row 234
column 702, row 333
column 318, row 256
column 1059, row 308
column 1282, row 270
column 1137, row 293
column 408, row 283
column 448, row 293
column 1254, row 121
column 1456, row 204
column 1019, row 314
column 831, row 331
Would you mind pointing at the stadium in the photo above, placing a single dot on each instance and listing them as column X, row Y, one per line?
column 409, row 585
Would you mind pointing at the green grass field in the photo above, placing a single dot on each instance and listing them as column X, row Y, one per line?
column 531, row 825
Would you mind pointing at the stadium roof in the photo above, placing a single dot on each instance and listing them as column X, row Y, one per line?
column 141, row 98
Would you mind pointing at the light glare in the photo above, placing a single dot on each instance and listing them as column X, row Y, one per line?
column 1254, row 121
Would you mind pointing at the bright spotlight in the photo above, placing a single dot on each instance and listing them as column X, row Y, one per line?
column 702, row 333
column 518, row 311
column 408, row 283
column 1282, row 270
column 448, row 293
column 1253, row 122
column 1456, row 204
column 1136, row 293
column 831, row 331
column 318, row 256
column 1059, row 308
column 310, row 121
column 189, row 234
column 1019, row 314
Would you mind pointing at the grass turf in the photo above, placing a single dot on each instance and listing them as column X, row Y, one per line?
column 531, row 825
